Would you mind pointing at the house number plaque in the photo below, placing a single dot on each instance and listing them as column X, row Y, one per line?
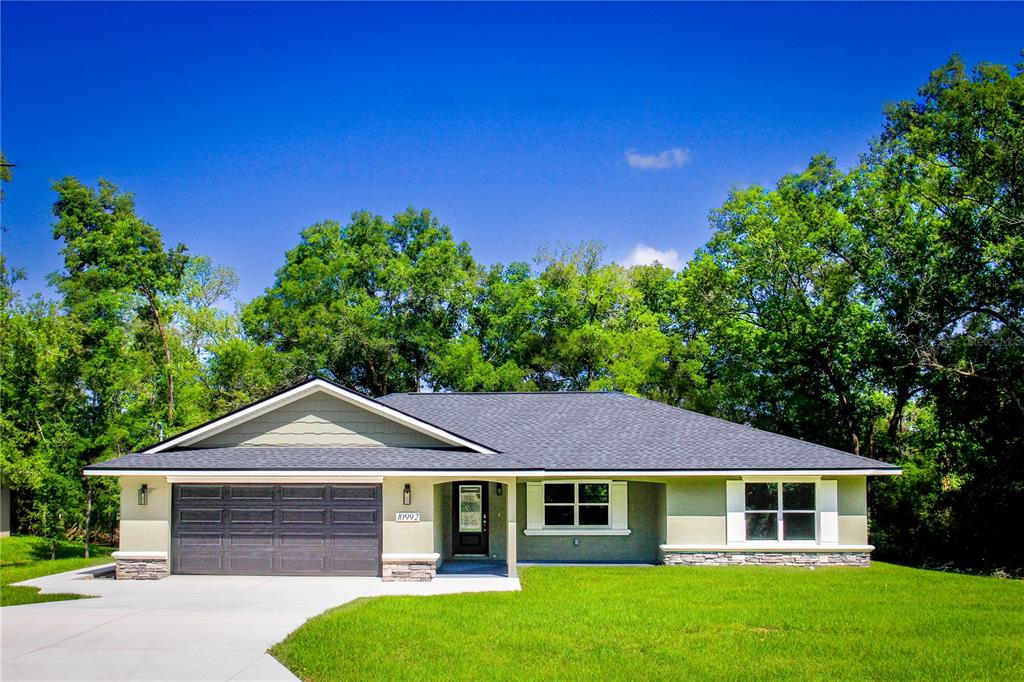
column 407, row 517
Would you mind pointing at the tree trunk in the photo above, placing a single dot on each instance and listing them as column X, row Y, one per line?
column 88, row 519
column 167, row 356
column 846, row 407
column 900, row 403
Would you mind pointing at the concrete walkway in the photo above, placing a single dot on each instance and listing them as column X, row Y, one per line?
column 182, row 627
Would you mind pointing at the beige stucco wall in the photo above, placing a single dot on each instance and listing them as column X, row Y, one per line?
column 145, row 528
column 681, row 511
column 319, row 420
column 853, row 510
column 695, row 511
column 431, row 498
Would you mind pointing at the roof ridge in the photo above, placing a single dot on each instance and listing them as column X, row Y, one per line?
column 602, row 392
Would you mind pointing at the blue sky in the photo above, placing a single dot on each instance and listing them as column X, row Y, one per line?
column 237, row 124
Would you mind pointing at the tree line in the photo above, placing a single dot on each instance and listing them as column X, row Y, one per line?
column 876, row 309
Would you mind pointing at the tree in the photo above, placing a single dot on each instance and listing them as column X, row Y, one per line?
column 496, row 350
column 5, row 173
column 939, row 204
column 781, row 311
column 370, row 303
column 111, row 256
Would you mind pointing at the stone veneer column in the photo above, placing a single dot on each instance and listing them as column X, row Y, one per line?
column 408, row 568
column 140, row 568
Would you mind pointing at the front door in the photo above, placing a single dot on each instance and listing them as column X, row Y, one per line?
column 469, row 516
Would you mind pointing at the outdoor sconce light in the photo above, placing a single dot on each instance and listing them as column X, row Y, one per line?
column 498, row 489
column 143, row 495
column 407, row 494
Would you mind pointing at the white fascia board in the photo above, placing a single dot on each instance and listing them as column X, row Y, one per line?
column 299, row 478
column 521, row 473
column 284, row 476
column 765, row 473
column 302, row 391
column 748, row 547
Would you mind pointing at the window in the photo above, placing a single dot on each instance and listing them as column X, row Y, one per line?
column 577, row 504
column 779, row 511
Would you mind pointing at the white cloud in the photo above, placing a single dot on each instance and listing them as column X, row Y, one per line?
column 647, row 255
column 670, row 158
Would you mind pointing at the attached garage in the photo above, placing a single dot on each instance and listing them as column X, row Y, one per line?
column 276, row 529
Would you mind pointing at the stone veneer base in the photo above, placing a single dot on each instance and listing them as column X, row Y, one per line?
column 141, row 569
column 806, row 559
column 408, row 570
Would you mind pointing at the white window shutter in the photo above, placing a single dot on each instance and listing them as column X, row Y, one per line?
column 534, row 505
column 735, row 524
column 828, row 512
column 620, row 505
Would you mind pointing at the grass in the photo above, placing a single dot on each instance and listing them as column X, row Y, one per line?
column 23, row 557
column 595, row 623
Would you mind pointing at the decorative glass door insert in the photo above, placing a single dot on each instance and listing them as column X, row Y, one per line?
column 471, row 509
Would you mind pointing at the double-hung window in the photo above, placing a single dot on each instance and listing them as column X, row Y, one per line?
column 577, row 504
column 776, row 512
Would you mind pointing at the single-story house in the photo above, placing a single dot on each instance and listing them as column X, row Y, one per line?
column 322, row 480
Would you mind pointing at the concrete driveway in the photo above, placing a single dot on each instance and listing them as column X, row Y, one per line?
column 182, row 627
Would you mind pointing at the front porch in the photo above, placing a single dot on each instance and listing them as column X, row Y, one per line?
column 458, row 527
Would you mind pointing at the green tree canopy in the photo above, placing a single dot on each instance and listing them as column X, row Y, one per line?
column 369, row 303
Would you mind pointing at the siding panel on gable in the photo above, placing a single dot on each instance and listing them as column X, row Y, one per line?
column 319, row 421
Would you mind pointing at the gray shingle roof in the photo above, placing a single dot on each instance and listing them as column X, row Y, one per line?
column 588, row 431
column 536, row 431
column 286, row 458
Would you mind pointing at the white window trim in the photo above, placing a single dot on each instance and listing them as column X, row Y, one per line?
column 567, row 531
column 618, row 504
column 825, row 514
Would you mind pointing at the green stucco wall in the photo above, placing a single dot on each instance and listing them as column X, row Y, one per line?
column 640, row 546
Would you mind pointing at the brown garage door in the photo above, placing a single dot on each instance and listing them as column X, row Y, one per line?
column 257, row 529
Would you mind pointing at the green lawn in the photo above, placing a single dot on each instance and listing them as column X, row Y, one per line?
column 23, row 557
column 572, row 623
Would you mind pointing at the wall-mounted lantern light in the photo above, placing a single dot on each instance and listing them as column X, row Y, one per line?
column 407, row 494
column 143, row 495
column 498, row 488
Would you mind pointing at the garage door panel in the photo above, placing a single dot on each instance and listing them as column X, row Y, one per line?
column 356, row 516
column 200, row 515
column 302, row 516
column 250, row 540
column 202, row 492
column 251, row 516
column 251, row 492
column 253, row 564
column 349, row 492
column 316, row 493
column 201, row 563
column 303, row 565
column 201, row 539
column 302, row 540
column 352, row 566
column 283, row 529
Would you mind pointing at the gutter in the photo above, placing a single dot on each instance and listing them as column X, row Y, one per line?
column 211, row 474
